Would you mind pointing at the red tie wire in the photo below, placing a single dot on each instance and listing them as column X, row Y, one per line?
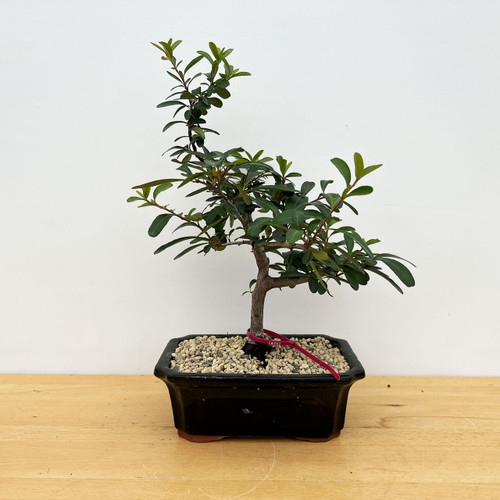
column 284, row 341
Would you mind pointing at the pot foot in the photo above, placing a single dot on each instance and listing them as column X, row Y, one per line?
column 195, row 438
column 319, row 440
column 200, row 438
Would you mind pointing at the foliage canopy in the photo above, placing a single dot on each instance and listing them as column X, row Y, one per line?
column 252, row 199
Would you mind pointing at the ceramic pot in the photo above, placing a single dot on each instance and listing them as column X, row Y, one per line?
column 208, row 407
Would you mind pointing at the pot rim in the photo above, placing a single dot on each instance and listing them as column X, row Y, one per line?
column 356, row 372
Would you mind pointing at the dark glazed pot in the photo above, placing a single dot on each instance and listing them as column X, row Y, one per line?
column 210, row 406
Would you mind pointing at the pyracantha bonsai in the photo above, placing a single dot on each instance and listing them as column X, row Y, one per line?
column 294, row 231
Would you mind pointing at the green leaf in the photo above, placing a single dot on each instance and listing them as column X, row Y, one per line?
column 324, row 183
column 266, row 205
column 199, row 131
column 221, row 92
column 215, row 101
column 212, row 131
column 196, row 217
column 214, row 49
column 288, row 188
column 197, row 191
column 349, row 258
column 390, row 280
column 162, row 187
column 155, row 183
column 253, row 171
column 293, row 235
column 351, row 207
column 343, row 168
column 215, row 69
column 187, row 95
column 206, row 55
column 333, row 199
column 400, row 270
column 355, row 277
column 192, row 177
column 359, row 165
column 323, row 288
column 192, row 63
column 349, row 242
column 306, row 257
column 170, row 103
column 279, row 235
column 257, row 226
column 283, row 164
column 362, row 243
column 170, row 124
column 188, row 249
column 350, row 233
column 306, row 187
column 231, row 209
column 175, row 44
column 370, row 169
column 390, row 255
column 313, row 283
column 175, row 77
column 320, row 254
column 171, row 243
column 134, row 198
column 292, row 217
column 315, row 270
column 158, row 224
column 157, row 46
column 361, row 191
column 351, row 280
column 243, row 194
column 185, row 224
column 222, row 83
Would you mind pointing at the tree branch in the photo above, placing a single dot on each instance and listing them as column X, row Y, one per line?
column 286, row 282
column 234, row 243
column 312, row 240
column 282, row 244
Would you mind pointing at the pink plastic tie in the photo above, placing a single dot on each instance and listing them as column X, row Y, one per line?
column 284, row 341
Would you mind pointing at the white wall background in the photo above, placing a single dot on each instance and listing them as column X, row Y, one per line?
column 412, row 84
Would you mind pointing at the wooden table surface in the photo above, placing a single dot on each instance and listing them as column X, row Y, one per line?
column 112, row 437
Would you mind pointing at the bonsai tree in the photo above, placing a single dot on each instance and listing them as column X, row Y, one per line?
column 293, row 229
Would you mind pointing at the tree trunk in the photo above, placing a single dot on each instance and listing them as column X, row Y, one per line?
column 262, row 286
column 257, row 312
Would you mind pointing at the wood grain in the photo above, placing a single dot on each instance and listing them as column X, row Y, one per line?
column 112, row 437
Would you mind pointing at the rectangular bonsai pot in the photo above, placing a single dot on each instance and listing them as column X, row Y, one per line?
column 310, row 407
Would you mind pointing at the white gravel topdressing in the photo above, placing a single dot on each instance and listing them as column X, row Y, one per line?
column 209, row 354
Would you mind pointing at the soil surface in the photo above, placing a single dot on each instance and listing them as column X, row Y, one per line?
column 209, row 354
